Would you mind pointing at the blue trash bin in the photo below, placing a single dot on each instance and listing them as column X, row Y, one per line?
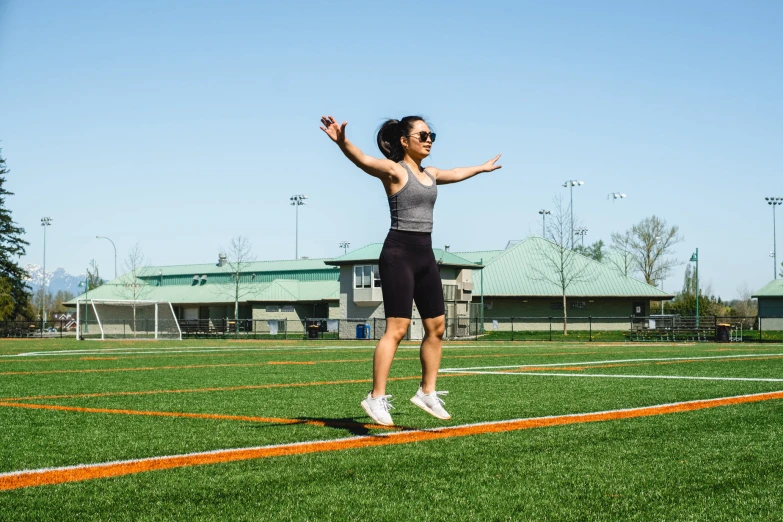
column 360, row 331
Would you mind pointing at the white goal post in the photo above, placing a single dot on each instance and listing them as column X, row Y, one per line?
column 119, row 319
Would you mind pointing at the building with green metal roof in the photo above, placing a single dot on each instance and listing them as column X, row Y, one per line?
column 268, row 290
column 770, row 298
column 519, row 282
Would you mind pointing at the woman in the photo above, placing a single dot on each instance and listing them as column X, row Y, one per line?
column 407, row 264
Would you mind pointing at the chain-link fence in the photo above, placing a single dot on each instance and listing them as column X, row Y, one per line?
column 662, row 328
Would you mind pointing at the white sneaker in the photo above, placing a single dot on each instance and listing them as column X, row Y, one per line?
column 431, row 403
column 378, row 409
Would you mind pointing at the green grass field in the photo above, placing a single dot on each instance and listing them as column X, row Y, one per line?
column 65, row 404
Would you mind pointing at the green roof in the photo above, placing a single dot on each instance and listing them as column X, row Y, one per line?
column 372, row 252
column 481, row 256
column 279, row 290
column 255, row 266
column 522, row 270
column 772, row 289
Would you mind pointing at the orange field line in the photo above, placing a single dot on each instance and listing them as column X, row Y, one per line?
column 31, row 478
column 211, row 416
column 225, row 388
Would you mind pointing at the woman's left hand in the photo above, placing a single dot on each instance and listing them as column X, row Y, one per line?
column 490, row 165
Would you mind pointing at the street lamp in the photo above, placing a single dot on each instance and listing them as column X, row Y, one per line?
column 115, row 253
column 773, row 202
column 45, row 222
column 695, row 259
column 86, row 285
column 297, row 201
column 544, row 213
column 615, row 195
column 581, row 231
column 344, row 245
column 572, row 183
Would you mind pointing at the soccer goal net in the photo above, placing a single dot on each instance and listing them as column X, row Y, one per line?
column 115, row 319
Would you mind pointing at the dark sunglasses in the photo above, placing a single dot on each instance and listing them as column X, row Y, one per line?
column 423, row 135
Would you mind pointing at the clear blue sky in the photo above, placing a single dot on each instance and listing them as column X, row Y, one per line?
column 180, row 124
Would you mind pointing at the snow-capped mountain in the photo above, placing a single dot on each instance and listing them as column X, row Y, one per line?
column 57, row 279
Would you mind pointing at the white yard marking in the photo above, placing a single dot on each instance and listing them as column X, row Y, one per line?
column 613, row 361
column 209, row 349
column 616, row 376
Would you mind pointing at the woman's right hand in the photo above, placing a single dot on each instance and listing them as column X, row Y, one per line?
column 333, row 129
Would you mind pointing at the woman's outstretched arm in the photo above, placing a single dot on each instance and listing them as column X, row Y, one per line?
column 380, row 168
column 443, row 177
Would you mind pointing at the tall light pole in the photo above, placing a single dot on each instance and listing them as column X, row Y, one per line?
column 543, row 213
column 45, row 222
column 115, row 253
column 659, row 239
column 615, row 195
column 572, row 183
column 773, row 202
column 344, row 245
column 581, row 231
column 297, row 201
column 695, row 259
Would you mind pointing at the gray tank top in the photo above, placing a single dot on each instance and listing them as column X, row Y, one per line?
column 411, row 206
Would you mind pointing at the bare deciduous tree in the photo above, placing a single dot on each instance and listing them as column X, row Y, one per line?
column 621, row 255
column 559, row 264
column 239, row 255
column 651, row 241
column 132, row 287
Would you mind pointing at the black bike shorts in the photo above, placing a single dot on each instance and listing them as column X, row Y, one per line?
column 410, row 273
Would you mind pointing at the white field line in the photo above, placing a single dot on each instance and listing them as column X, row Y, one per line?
column 401, row 434
column 586, row 363
column 208, row 349
column 617, row 376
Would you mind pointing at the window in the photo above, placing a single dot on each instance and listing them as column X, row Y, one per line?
column 578, row 305
column 272, row 308
column 288, row 308
column 376, row 276
column 363, row 276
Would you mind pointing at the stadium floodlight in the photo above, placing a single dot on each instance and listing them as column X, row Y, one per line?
column 581, row 231
column 773, row 202
column 544, row 212
column 115, row 253
column 297, row 200
column 615, row 195
column 571, row 183
column 344, row 245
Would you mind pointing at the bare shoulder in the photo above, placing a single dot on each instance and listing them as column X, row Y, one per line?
column 433, row 171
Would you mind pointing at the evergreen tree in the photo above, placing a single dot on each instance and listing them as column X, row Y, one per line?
column 12, row 246
column 94, row 278
column 594, row 251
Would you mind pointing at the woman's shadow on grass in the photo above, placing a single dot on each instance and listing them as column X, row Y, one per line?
column 353, row 425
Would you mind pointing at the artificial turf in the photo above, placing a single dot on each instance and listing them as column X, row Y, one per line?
column 716, row 464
